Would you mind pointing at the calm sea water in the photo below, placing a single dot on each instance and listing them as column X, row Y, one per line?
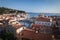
column 46, row 14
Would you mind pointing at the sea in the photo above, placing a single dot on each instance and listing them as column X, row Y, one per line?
column 46, row 14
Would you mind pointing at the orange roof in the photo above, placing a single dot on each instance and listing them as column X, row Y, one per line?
column 37, row 25
column 35, row 36
column 17, row 26
column 43, row 19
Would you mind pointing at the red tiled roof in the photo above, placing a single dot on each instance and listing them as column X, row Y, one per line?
column 37, row 25
column 35, row 36
column 43, row 19
column 17, row 26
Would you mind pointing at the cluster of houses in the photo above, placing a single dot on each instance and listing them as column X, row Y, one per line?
column 10, row 22
column 13, row 17
column 40, row 27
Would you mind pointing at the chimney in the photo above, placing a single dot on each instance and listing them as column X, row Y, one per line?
column 50, row 19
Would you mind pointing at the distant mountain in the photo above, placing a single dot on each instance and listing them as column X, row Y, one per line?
column 4, row 10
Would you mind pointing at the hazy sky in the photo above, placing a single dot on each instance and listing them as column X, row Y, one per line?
column 45, row 6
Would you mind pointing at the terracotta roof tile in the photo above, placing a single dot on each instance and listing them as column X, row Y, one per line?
column 35, row 36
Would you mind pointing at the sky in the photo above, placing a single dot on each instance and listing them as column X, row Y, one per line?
column 38, row 6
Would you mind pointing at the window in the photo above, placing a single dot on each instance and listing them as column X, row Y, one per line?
column 43, row 23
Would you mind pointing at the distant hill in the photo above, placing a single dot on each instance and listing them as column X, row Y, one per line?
column 4, row 10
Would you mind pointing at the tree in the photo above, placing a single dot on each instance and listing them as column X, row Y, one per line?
column 4, row 10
